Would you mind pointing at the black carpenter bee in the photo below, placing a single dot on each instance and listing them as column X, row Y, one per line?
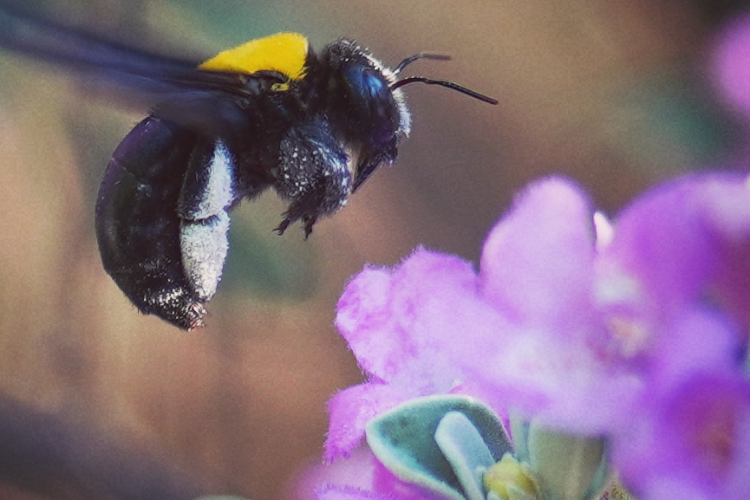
column 268, row 113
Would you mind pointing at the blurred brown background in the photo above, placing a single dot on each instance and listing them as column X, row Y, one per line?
column 611, row 93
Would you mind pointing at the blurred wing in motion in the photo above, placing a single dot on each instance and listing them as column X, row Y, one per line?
column 207, row 102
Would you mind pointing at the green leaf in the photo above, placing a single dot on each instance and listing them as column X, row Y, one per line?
column 466, row 451
column 568, row 467
column 404, row 440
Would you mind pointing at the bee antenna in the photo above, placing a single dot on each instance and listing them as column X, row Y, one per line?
column 416, row 57
column 442, row 83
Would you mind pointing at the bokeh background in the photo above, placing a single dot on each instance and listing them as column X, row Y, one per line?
column 98, row 401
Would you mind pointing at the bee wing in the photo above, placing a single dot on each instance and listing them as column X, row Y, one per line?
column 208, row 102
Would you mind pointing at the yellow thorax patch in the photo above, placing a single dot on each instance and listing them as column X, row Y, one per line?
column 282, row 52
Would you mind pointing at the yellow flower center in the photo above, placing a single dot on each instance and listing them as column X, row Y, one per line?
column 509, row 479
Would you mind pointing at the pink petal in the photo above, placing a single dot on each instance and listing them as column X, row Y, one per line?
column 349, row 412
column 537, row 263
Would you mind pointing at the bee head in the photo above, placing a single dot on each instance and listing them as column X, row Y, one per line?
column 366, row 104
column 361, row 100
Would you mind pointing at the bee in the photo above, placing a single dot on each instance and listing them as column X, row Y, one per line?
column 270, row 113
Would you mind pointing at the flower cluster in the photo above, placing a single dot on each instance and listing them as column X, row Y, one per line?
column 613, row 349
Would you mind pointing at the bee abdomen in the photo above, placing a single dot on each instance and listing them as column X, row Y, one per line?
column 152, row 229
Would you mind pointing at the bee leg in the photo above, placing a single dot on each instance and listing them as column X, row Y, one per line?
column 313, row 175
column 282, row 227
column 309, row 222
column 206, row 195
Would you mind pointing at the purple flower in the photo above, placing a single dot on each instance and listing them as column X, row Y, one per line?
column 595, row 331
column 390, row 320
column 360, row 477
column 582, row 326
column 692, row 444
column 551, row 361
column 732, row 63
column 683, row 243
